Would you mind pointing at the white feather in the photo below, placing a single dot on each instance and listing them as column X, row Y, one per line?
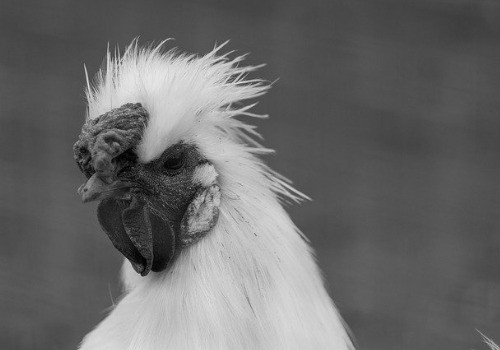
column 491, row 344
column 251, row 283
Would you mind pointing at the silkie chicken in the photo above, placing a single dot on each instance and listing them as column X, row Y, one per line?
column 213, row 261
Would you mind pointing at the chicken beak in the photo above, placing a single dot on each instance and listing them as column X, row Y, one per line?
column 97, row 188
column 93, row 189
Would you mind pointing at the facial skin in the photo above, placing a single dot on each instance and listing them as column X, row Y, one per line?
column 148, row 210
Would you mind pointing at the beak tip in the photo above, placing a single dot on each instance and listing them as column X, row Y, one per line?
column 83, row 193
column 92, row 189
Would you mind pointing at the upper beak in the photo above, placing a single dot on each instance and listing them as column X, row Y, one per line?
column 96, row 188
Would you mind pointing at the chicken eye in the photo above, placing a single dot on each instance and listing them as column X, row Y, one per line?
column 174, row 163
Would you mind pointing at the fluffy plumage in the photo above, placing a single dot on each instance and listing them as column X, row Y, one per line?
column 252, row 282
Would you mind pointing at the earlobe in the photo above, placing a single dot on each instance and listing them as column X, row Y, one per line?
column 205, row 175
column 201, row 215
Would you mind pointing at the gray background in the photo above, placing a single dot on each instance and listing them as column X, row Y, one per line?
column 385, row 113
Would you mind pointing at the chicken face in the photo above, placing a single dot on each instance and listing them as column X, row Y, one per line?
column 148, row 210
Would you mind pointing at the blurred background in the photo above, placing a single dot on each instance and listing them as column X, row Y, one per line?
column 385, row 113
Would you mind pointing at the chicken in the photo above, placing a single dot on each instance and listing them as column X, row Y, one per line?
column 212, row 260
